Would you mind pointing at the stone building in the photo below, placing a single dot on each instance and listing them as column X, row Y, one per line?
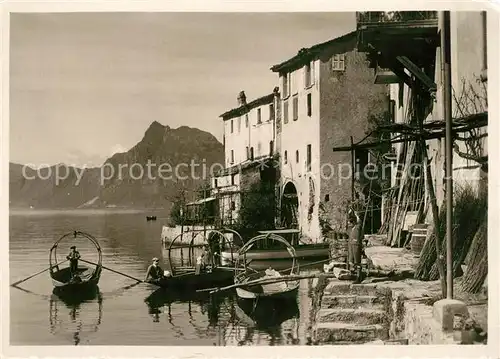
column 327, row 97
column 249, row 147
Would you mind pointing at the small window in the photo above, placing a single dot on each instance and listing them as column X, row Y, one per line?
column 309, row 105
column 327, row 198
column 239, row 124
column 338, row 62
column 309, row 157
column 271, row 148
column 285, row 111
column 297, row 156
column 286, row 85
column 215, row 183
column 285, row 157
column 295, row 107
column 233, row 205
column 271, row 112
column 251, row 154
column 259, row 116
column 248, row 153
column 307, row 75
column 392, row 110
column 293, row 83
column 232, row 179
column 246, row 120
column 232, row 126
column 232, row 156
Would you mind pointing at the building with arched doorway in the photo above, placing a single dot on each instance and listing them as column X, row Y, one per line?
column 328, row 95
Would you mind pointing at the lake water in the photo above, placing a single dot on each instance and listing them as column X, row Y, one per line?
column 123, row 312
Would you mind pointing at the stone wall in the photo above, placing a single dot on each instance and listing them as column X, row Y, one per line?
column 347, row 99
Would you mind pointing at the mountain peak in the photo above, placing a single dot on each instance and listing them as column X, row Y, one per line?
column 156, row 126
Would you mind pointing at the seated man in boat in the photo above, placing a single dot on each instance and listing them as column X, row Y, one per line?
column 154, row 272
column 271, row 272
column 73, row 257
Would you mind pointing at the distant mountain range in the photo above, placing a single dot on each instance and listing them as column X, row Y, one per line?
column 119, row 183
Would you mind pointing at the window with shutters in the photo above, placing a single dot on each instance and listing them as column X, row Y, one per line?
column 309, row 105
column 285, row 111
column 295, row 107
column 338, row 62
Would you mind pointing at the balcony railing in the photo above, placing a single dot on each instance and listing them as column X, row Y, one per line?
column 373, row 17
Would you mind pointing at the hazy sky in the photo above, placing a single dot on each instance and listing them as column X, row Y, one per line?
column 86, row 85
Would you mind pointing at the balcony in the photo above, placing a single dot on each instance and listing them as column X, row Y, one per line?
column 388, row 37
column 377, row 18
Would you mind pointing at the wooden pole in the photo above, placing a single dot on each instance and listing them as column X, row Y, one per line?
column 353, row 169
column 446, row 69
column 435, row 217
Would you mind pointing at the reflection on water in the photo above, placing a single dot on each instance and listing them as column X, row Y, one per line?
column 68, row 312
column 123, row 312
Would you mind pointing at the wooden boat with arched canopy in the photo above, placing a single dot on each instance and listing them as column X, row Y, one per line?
column 266, row 283
column 85, row 276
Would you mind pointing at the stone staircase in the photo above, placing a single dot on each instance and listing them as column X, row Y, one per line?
column 352, row 314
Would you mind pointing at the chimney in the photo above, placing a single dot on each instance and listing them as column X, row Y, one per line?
column 242, row 99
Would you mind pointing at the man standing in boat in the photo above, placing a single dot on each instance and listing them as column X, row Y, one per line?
column 154, row 272
column 73, row 257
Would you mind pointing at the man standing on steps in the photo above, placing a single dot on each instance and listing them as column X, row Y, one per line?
column 73, row 257
column 356, row 244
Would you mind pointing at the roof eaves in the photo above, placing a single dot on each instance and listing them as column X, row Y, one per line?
column 307, row 54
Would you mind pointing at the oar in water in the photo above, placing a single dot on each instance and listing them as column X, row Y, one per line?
column 37, row 273
column 117, row 272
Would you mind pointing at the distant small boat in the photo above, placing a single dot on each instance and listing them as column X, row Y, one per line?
column 85, row 278
column 150, row 218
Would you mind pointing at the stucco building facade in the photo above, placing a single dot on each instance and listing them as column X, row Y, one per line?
column 327, row 96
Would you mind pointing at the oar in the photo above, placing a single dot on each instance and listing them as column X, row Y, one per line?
column 117, row 272
column 34, row 275
column 306, row 265
column 255, row 282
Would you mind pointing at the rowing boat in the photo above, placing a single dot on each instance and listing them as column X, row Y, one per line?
column 194, row 275
column 274, row 290
column 84, row 277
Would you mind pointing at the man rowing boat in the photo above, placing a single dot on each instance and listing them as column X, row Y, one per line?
column 154, row 272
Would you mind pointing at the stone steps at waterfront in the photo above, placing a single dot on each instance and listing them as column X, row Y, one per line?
column 333, row 332
column 349, row 315
column 336, row 287
column 351, row 301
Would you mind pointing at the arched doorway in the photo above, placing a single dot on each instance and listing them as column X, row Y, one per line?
column 290, row 207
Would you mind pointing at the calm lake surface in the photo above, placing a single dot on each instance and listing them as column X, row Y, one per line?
column 122, row 312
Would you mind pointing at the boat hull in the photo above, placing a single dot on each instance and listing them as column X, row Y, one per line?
column 62, row 283
column 307, row 251
column 191, row 281
column 289, row 293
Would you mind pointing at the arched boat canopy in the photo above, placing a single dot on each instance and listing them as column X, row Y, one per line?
column 248, row 245
column 53, row 261
column 195, row 233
